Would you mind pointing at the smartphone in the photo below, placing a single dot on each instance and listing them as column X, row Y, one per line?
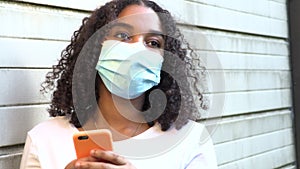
column 85, row 141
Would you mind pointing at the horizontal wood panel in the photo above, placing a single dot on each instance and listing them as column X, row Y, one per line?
column 243, row 61
column 236, row 103
column 213, row 17
column 212, row 40
column 73, row 4
column 245, row 102
column 13, row 93
column 278, row 10
column 38, row 22
column 251, row 146
column 11, row 149
column 17, row 121
column 265, row 8
column 238, row 127
column 68, row 21
column 280, row 1
column 236, row 81
column 30, row 53
column 270, row 159
column 10, row 161
column 289, row 166
column 22, row 86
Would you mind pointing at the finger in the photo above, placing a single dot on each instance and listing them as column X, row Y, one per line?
column 88, row 159
column 72, row 164
column 95, row 165
column 92, row 159
column 108, row 156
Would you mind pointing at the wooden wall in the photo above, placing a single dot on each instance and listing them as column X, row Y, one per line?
column 248, row 38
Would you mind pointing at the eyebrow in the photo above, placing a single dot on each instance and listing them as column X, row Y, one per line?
column 156, row 32
column 122, row 24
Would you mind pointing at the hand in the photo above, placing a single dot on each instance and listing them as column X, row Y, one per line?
column 101, row 160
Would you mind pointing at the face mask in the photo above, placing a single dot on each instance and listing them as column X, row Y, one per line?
column 128, row 69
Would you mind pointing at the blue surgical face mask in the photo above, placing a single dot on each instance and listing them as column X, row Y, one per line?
column 128, row 69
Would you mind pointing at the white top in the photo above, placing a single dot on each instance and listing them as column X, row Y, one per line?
column 49, row 145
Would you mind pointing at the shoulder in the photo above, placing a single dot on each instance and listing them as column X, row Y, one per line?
column 192, row 130
column 198, row 129
column 195, row 126
column 51, row 142
column 198, row 134
column 200, row 146
column 55, row 125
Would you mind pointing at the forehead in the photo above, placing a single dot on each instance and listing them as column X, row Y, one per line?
column 142, row 19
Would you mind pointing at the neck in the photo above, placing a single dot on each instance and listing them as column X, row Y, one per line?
column 120, row 115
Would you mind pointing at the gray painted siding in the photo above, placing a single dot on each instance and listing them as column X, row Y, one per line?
column 249, row 38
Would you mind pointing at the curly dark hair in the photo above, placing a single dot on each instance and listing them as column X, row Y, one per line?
column 74, row 99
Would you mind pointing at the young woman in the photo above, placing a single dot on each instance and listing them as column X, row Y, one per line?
column 125, row 70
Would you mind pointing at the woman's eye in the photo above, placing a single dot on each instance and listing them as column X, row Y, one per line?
column 123, row 36
column 153, row 44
